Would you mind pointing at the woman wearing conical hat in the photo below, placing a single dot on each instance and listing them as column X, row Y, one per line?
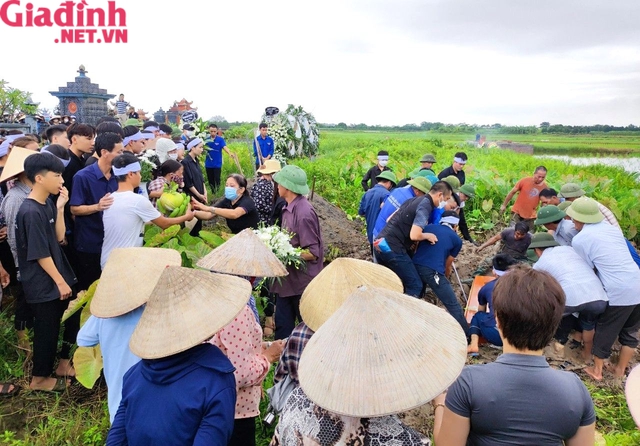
column 241, row 339
column 354, row 377
column 183, row 391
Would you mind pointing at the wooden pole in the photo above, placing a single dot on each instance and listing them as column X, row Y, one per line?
column 313, row 187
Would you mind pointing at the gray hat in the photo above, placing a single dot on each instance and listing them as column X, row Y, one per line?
column 428, row 158
column 543, row 240
column 549, row 214
column 571, row 190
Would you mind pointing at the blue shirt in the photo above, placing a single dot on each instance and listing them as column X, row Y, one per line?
column 485, row 297
column 370, row 206
column 89, row 186
column 214, row 147
column 391, row 204
column 113, row 335
column 185, row 399
column 434, row 256
column 266, row 147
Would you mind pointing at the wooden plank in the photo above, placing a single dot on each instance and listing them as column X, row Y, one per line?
column 472, row 304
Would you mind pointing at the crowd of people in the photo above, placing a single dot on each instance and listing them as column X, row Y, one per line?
column 354, row 343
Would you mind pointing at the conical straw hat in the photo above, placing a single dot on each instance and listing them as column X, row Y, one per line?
column 381, row 353
column 244, row 254
column 632, row 391
column 186, row 308
column 335, row 283
column 15, row 162
column 128, row 279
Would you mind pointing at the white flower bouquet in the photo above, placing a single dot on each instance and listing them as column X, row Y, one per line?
column 149, row 162
column 279, row 241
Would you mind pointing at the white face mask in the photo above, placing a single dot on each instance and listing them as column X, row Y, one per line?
column 189, row 133
column 461, row 205
column 442, row 204
column 172, row 156
column 383, row 163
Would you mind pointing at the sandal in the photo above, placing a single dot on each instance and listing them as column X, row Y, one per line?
column 59, row 387
column 5, row 391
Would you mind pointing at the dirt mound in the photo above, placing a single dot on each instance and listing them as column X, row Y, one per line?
column 342, row 237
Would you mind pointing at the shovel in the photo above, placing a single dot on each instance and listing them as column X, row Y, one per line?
column 455, row 270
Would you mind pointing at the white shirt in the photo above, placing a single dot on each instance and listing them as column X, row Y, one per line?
column 577, row 279
column 565, row 232
column 124, row 222
column 604, row 247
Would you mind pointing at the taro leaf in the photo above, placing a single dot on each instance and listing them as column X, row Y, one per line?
column 164, row 236
column 86, row 313
column 83, row 298
column 211, row 239
column 88, row 364
column 189, row 241
column 487, row 205
column 186, row 260
column 174, row 243
column 196, row 252
column 150, row 232
column 633, row 231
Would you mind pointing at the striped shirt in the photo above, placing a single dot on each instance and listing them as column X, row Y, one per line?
column 121, row 107
column 10, row 207
column 608, row 215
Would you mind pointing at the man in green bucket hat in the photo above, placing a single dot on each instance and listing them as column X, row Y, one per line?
column 553, row 219
column 572, row 191
column 459, row 198
column 583, row 290
column 604, row 248
column 300, row 219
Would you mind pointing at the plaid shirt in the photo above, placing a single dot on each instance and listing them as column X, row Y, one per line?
column 608, row 215
column 290, row 357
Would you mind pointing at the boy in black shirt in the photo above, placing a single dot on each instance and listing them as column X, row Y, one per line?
column 45, row 273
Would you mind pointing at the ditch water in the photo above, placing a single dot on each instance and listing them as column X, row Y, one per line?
column 628, row 163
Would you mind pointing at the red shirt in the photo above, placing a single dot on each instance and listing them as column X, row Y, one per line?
column 526, row 204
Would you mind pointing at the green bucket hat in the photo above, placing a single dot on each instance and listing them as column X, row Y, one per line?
column 543, row 240
column 132, row 121
column 571, row 190
column 420, row 183
column 549, row 214
column 293, row 178
column 585, row 210
column 468, row 190
column 453, row 181
column 428, row 158
column 564, row 205
column 388, row 175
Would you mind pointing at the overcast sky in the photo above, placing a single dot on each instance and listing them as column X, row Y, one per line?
column 353, row 61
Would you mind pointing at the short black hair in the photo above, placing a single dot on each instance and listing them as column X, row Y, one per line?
column 54, row 130
column 166, row 129
column 548, row 193
column 502, row 262
column 461, row 155
column 121, row 161
column 441, row 186
column 383, row 153
column 542, row 168
column 110, row 127
column 150, row 124
column 213, row 125
column 521, row 227
column 106, row 141
column 58, row 151
column 263, row 125
column 80, row 130
column 130, row 130
column 38, row 163
column 108, row 119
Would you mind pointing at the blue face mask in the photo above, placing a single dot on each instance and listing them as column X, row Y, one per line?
column 230, row 193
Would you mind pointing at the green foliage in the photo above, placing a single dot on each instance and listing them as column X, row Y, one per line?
column 14, row 101
column 244, row 132
column 87, row 362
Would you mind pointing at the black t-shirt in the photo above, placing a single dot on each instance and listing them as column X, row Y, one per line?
column 36, row 239
column 75, row 165
column 248, row 220
column 449, row 171
column 398, row 228
column 193, row 176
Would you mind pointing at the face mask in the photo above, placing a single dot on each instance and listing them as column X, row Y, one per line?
column 189, row 133
column 230, row 193
column 461, row 205
column 442, row 204
column 383, row 163
column 172, row 156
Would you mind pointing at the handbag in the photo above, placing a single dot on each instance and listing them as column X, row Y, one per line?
column 279, row 393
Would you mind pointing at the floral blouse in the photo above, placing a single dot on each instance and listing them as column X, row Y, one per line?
column 241, row 342
column 262, row 193
column 302, row 423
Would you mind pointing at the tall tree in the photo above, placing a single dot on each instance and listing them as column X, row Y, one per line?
column 14, row 101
